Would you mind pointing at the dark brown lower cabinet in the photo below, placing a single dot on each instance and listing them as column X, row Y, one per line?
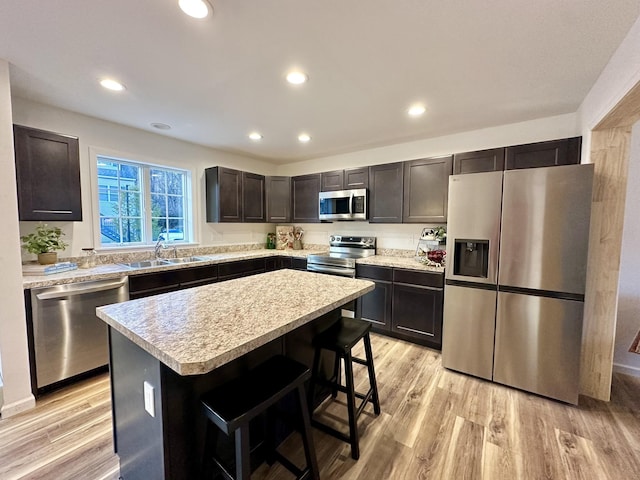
column 147, row 284
column 276, row 263
column 417, row 313
column 298, row 263
column 375, row 306
column 405, row 303
column 243, row 268
column 417, row 306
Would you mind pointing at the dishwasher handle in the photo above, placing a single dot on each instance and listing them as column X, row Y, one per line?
column 80, row 290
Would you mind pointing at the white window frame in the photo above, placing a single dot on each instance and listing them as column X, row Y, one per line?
column 146, row 164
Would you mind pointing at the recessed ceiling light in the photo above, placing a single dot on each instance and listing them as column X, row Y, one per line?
column 296, row 77
column 161, row 126
column 416, row 110
column 304, row 138
column 111, row 84
column 255, row 136
column 195, row 8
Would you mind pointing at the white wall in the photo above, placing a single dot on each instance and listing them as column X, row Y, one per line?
column 618, row 77
column 13, row 336
column 629, row 288
column 119, row 139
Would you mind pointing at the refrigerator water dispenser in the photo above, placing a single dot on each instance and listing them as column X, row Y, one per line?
column 471, row 258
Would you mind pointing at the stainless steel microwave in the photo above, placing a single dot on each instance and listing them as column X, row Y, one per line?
column 344, row 205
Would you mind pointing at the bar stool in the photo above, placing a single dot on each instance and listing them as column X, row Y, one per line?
column 230, row 408
column 340, row 339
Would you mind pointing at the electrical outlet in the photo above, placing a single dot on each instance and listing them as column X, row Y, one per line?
column 149, row 402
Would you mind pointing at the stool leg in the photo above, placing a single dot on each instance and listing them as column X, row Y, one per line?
column 243, row 453
column 336, row 375
column 312, row 381
column 372, row 374
column 351, row 405
column 307, row 437
column 210, row 438
column 270, row 440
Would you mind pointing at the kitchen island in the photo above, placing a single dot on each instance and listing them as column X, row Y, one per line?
column 167, row 350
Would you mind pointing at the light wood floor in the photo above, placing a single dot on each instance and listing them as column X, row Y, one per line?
column 435, row 424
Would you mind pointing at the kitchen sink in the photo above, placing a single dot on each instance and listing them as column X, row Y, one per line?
column 159, row 262
column 186, row 259
column 146, row 264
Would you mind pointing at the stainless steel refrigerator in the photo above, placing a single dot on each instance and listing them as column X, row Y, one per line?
column 517, row 245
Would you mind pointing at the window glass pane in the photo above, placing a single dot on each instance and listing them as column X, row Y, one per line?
column 176, row 206
column 131, row 229
column 175, row 182
column 158, row 205
column 159, row 226
column 174, row 232
column 158, row 181
column 109, row 230
column 130, row 203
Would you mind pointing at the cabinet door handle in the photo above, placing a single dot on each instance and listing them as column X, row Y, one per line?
column 51, row 211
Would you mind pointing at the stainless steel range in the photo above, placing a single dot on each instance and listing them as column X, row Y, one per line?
column 343, row 253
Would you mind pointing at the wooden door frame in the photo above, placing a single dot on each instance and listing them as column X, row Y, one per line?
column 610, row 152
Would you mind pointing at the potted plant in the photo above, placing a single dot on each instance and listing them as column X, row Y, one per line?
column 44, row 242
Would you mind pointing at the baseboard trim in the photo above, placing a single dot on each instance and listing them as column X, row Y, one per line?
column 20, row 406
column 626, row 369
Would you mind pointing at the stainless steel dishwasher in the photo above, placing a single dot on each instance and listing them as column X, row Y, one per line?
column 68, row 338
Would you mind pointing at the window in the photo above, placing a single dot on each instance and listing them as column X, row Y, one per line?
column 141, row 203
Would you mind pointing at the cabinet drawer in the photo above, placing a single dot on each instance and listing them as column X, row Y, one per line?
column 242, row 268
column 373, row 272
column 154, row 281
column 426, row 279
column 196, row 276
column 298, row 263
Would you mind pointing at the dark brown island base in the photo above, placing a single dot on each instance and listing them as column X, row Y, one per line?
column 167, row 350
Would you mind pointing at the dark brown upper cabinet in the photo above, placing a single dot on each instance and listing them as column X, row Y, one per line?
column 356, row 178
column 426, row 190
column 253, row 197
column 480, row 161
column 47, row 175
column 345, row 179
column 278, row 199
column 385, row 199
column 234, row 196
column 544, row 154
column 223, row 194
column 332, row 181
column 305, row 206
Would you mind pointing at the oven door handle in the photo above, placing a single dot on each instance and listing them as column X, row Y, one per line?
column 332, row 270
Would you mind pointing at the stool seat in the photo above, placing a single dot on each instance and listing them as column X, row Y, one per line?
column 343, row 335
column 242, row 399
column 230, row 407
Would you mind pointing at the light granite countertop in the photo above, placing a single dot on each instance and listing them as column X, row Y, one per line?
column 398, row 262
column 114, row 270
column 196, row 330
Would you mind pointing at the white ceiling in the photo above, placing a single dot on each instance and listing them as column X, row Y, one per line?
column 473, row 63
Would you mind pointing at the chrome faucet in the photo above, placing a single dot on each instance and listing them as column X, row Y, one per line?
column 158, row 246
column 159, row 243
